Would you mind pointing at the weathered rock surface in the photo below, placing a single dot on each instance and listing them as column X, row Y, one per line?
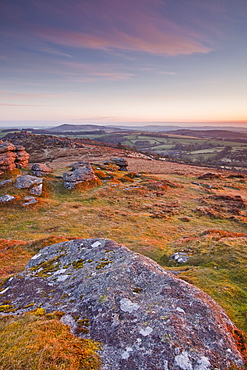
column 146, row 318
column 27, row 181
column 80, row 172
column 40, row 169
column 12, row 156
column 121, row 163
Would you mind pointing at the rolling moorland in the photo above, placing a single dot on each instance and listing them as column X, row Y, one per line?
column 219, row 148
column 157, row 208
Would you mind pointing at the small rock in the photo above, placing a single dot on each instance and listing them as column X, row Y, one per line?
column 6, row 198
column 209, row 176
column 184, row 219
column 5, row 182
column 40, row 169
column 37, row 190
column 121, row 163
column 27, row 181
column 180, row 257
column 81, row 172
column 29, row 200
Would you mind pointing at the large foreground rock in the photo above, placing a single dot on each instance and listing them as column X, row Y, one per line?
column 146, row 318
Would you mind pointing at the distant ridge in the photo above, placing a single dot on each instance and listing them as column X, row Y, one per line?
column 150, row 128
column 70, row 127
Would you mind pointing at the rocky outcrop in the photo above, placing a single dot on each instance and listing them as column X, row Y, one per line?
column 12, row 156
column 40, row 169
column 81, row 172
column 145, row 317
column 121, row 163
column 42, row 147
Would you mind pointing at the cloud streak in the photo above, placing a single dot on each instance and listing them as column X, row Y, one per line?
column 136, row 26
column 155, row 42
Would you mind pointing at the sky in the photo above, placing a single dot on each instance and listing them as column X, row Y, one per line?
column 123, row 61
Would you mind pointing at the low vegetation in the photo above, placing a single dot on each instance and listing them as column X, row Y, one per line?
column 36, row 341
column 156, row 215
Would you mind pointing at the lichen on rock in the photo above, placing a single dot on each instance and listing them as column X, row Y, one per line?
column 145, row 317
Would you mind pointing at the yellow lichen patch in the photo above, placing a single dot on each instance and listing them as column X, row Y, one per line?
column 14, row 254
column 43, row 343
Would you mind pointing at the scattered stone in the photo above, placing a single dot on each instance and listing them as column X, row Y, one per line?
column 180, row 257
column 40, row 169
column 12, row 156
column 7, row 198
column 76, row 165
column 121, row 163
column 145, row 317
column 27, row 181
column 5, row 182
column 29, row 200
column 209, row 176
column 37, row 190
column 184, row 219
column 81, row 172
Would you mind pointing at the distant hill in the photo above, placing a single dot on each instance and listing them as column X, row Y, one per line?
column 149, row 128
column 68, row 127
column 212, row 134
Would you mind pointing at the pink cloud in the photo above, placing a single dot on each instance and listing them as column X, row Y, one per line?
column 154, row 41
column 140, row 25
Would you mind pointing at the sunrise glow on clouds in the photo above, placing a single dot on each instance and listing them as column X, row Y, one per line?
column 123, row 61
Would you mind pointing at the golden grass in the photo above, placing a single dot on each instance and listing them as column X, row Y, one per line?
column 39, row 342
column 136, row 214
